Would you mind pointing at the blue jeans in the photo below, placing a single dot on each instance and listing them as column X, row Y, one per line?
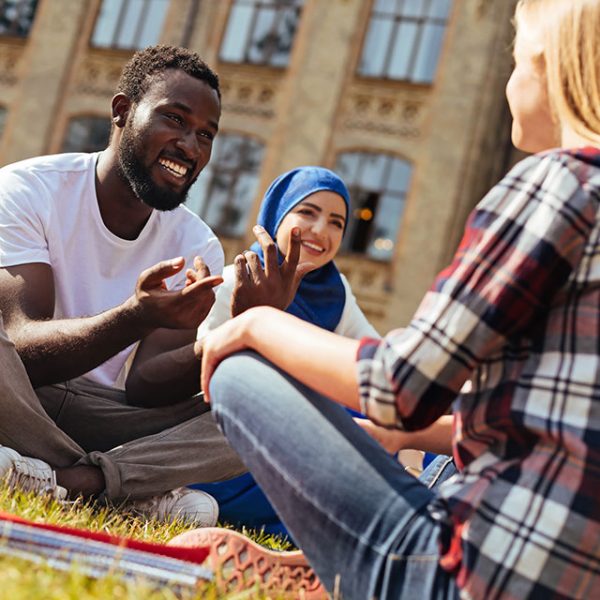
column 362, row 521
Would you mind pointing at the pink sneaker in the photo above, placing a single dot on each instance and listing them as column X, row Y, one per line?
column 240, row 564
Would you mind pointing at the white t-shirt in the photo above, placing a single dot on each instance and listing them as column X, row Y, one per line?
column 49, row 214
column 353, row 323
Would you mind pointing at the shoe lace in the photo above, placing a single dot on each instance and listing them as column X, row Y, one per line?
column 30, row 477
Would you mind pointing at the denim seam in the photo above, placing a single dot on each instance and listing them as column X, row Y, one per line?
column 439, row 472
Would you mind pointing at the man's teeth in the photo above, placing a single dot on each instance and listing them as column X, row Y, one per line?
column 176, row 169
column 313, row 246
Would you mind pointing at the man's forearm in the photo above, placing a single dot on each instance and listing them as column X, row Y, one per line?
column 164, row 379
column 58, row 350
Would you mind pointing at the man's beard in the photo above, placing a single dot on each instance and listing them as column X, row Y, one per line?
column 138, row 176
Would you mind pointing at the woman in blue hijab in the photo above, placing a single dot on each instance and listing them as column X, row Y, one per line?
column 315, row 201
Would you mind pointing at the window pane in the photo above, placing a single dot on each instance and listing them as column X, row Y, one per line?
column 236, row 35
column 439, row 8
column 378, row 184
column 16, row 17
column 399, row 176
column 286, row 29
column 264, row 38
column 347, row 167
column 376, row 46
column 87, row 134
column 156, row 11
column 385, row 6
column 429, row 52
column 197, row 193
column 384, row 231
column 130, row 24
column 414, row 8
column 404, row 43
column 106, row 23
column 372, row 171
column 224, row 192
column 402, row 51
column 260, row 31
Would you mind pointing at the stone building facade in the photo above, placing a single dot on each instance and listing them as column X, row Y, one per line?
column 405, row 98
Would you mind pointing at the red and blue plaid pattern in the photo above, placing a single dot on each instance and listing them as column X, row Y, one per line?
column 509, row 334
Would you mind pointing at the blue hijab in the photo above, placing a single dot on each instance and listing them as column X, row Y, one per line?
column 321, row 296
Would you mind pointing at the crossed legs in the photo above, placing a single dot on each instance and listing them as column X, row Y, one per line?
column 361, row 520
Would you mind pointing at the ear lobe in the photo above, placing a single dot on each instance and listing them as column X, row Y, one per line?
column 120, row 107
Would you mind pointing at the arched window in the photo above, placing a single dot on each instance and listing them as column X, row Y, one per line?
column 224, row 192
column 87, row 134
column 16, row 17
column 129, row 24
column 261, row 31
column 378, row 184
column 404, row 39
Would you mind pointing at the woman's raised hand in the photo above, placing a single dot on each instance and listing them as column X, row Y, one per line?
column 274, row 285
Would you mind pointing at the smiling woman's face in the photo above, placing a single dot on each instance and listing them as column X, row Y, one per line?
column 321, row 218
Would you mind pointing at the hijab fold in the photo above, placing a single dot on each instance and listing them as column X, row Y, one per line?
column 321, row 296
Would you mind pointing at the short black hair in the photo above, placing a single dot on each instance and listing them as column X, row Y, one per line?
column 136, row 76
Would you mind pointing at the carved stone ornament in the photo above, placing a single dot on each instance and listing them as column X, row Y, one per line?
column 253, row 98
column 98, row 74
column 384, row 112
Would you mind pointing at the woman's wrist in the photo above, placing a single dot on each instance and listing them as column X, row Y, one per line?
column 252, row 322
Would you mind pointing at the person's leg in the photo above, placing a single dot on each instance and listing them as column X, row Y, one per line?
column 193, row 451
column 98, row 417
column 348, row 504
column 142, row 451
column 24, row 425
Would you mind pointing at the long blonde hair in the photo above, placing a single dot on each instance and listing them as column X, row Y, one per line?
column 570, row 34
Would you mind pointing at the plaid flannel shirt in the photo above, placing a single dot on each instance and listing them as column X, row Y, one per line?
column 516, row 317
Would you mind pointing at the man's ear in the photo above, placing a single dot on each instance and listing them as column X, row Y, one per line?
column 120, row 108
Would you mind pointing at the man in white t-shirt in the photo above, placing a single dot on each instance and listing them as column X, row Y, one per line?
column 98, row 257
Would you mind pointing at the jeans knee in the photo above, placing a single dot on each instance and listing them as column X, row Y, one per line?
column 228, row 382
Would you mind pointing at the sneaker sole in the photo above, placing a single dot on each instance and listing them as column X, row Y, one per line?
column 240, row 564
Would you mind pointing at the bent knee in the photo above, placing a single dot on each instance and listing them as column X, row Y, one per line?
column 235, row 378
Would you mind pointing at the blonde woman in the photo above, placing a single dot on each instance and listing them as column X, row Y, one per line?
column 517, row 312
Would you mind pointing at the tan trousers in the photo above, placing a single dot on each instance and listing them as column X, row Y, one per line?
column 141, row 451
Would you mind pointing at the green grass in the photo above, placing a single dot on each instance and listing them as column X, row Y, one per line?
column 26, row 580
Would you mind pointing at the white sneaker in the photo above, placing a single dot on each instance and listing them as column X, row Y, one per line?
column 29, row 474
column 192, row 506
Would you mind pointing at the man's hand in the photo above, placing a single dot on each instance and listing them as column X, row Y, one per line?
column 178, row 309
column 275, row 285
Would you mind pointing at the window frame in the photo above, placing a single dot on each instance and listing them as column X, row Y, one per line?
column 13, row 32
column 81, row 117
column 257, row 6
column 135, row 45
column 397, row 20
column 201, row 211
column 356, row 186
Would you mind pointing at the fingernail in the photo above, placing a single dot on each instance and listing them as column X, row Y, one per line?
column 296, row 232
column 257, row 228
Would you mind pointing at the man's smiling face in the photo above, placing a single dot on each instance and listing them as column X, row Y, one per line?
column 167, row 138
